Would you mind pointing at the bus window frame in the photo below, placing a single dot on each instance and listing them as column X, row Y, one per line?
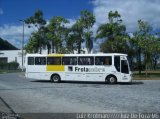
column 82, row 62
column 29, row 60
column 103, row 62
column 41, row 63
column 73, row 57
column 54, row 61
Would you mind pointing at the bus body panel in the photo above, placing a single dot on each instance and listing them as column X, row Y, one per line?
column 75, row 76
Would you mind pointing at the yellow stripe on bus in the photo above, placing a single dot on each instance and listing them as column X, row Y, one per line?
column 55, row 67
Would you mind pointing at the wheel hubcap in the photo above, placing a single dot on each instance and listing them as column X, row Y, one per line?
column 56, row 78
column 112, row 79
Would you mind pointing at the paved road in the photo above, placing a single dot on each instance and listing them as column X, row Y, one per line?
column 25, row 96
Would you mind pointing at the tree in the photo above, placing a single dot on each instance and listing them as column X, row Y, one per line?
column 38, row 21
column 77, row 31
column 137, row 44
column 33, row 44
column 145, row 40
column 114, row 34
column 81, row 29
column 71, row 44
column 155, row 49
column 88, row 20
column 89, row 40
column 57, row 33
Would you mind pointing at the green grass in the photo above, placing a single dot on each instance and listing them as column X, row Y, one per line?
column 9, row 71
column 150, row 75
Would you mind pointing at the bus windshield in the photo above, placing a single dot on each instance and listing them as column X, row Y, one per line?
column 124, row 67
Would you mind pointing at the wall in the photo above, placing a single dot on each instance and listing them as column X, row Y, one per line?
column 13, row 55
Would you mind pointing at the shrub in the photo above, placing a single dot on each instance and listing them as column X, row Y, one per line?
column 9, row 66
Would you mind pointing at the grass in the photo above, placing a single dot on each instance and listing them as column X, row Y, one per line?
column 151, row 75
column 8, row 71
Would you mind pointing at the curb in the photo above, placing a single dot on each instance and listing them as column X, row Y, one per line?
column 6, row 112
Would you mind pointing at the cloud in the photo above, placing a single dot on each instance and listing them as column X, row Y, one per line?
column 71, row 22
column 1, row 11
column 131, row 11
column 13, row 34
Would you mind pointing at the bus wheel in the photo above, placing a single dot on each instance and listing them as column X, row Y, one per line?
column 111, row 79
column 55, row 78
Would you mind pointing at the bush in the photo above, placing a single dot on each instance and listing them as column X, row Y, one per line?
column 9, row 66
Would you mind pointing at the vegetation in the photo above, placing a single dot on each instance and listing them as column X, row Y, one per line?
column 114, row 33
column 143, row 48
column 151, row 75
column 37, row 39
column 146, row 45
column 57, row 36
column 9, row 71
column 9, row 66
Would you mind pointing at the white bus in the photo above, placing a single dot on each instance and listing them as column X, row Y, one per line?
column 109, row 67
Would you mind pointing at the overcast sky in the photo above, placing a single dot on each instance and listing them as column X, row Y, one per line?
column 131, row 11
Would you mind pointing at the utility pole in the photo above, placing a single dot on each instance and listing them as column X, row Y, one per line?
column 22, row 43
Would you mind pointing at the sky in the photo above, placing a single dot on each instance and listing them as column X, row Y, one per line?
column 11, row 11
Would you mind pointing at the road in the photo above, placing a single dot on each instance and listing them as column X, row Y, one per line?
column 26, row 96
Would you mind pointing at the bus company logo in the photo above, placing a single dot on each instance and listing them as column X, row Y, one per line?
column 84, row 69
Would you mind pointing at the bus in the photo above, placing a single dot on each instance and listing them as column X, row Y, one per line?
column 104, row 67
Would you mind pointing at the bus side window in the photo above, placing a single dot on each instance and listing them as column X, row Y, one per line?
column 65, row 60
column 30, row 60
column 73, row 61
column 54, row 60
column 69, row 60
column 40, row 61
column 85, row 60
column 103, row 60
column 108, row 60
column 80, row 61
column 43, row 60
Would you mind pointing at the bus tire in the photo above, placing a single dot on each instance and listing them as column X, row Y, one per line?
column 111, row 79
column 55, row 78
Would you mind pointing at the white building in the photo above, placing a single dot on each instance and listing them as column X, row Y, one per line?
column 12, row 56
column 16, row 55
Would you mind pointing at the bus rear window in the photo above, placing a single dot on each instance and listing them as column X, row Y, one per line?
column 54, row 60
column 30, row 60
column 40, row 61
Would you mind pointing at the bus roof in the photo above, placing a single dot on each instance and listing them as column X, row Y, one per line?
column 96, row 54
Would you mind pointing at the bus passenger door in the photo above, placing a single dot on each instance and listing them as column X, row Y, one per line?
column 124, row 70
